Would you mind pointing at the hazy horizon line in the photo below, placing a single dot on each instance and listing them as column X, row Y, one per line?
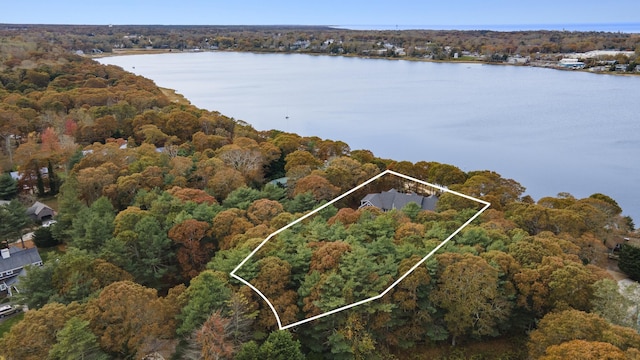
column 624, row 27
column 631, row 27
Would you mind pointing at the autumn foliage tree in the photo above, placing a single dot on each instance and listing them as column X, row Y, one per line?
column 263, row 210
column 227, row 224
column 194, row 247
column 468, row 291
column 224, row 181
column 273, row 280
column 127, row 318
column 318, row 186
column 12, row 122
column 92, row 181
column 245, row 156
column 559, row 328
column 213, row 338
column 196, row 195
column 35, row 335
column 327, row 255
column 586, row 350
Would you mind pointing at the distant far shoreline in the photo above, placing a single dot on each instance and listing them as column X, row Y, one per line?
column 548, row 65
column 564, row 49
column 135, row 51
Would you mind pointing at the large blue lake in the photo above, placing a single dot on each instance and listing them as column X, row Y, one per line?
column 552, row 131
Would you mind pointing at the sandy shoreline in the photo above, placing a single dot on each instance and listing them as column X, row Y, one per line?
column 119, row 52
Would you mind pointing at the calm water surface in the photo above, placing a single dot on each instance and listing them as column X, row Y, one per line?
column 552, row 131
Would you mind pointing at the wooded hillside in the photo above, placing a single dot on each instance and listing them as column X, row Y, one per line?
column 438, row 45
column 158, row 202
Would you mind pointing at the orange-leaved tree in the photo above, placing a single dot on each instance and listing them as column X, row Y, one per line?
column 194, row 246
column 213, row 338
column 557, row 328
column 128, row 318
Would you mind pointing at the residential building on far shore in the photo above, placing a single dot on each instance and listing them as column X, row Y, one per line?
column 570, row 63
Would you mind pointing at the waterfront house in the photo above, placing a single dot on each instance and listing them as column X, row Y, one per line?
column 621, row 67
column 571, row 64
column 392, row 199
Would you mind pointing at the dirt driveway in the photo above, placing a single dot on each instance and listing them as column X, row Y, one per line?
column 614, row 270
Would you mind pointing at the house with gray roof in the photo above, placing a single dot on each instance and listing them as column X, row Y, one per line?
column 393, row 199
column 12, row 263
column 40, row 212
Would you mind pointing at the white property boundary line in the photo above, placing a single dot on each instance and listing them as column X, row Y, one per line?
column 233, row 273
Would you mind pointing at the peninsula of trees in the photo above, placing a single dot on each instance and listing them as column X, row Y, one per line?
column 158, row 201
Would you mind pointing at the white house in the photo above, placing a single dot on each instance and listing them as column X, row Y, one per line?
column 571, row 63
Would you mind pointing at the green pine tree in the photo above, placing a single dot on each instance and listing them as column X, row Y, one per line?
column 206, row 293
column 248, row 351
column 68, row 206
column 39, row 183
column 54, row 180
column 76, row 341
column 280, row 345
column 8, row 187
column 629, row 261
column 13, row 219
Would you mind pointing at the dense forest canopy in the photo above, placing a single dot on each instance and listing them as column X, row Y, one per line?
column 158, row 201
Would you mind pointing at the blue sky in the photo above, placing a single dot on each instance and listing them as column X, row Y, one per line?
column 326, row 12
